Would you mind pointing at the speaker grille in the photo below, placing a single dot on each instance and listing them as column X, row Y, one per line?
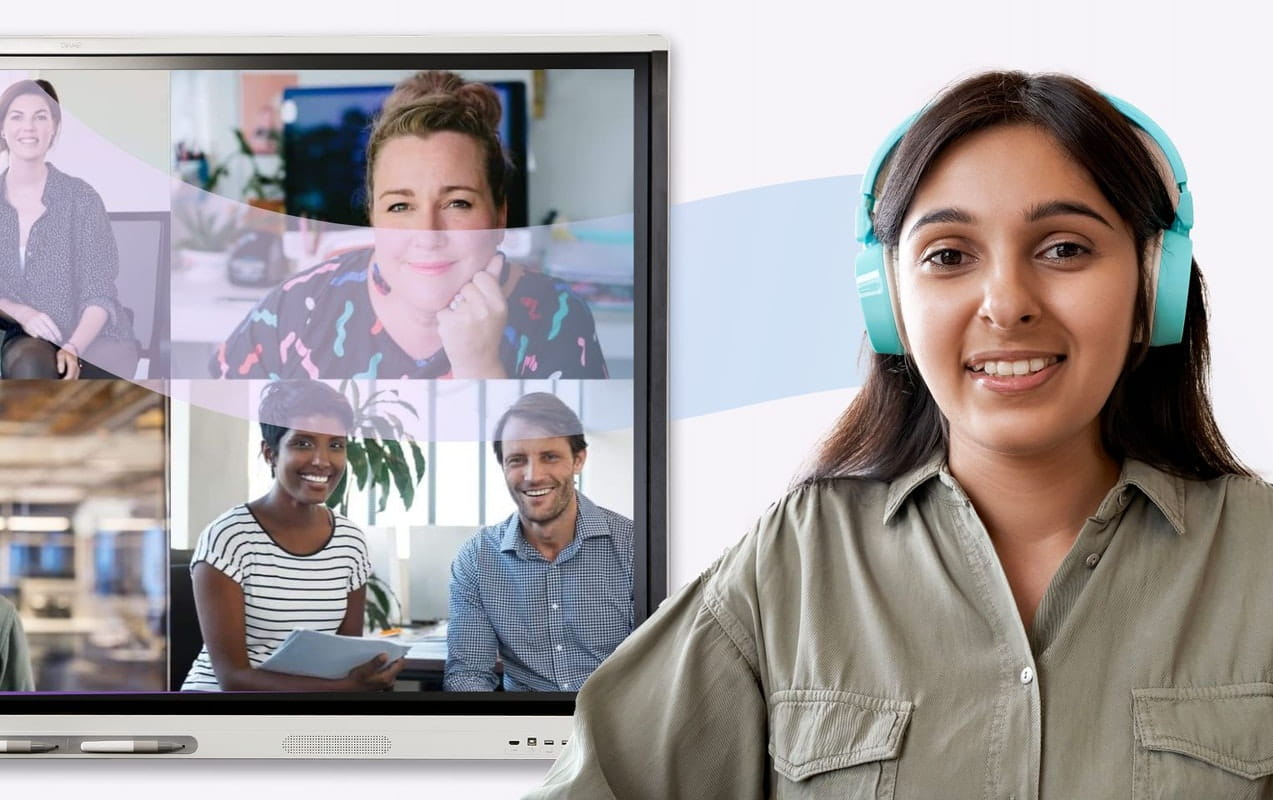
column 304, row 744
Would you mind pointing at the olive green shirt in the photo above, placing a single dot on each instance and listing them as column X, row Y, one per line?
column 15, row 661
column 862, row 642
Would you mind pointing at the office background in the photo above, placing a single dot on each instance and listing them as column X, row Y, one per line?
column 216, row 464
column 573, row 163
column 765, row 93
column 83, row 539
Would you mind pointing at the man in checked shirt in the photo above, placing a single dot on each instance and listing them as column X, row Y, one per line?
column 548, row 590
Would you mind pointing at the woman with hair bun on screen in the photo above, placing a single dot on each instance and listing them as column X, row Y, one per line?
column 1025, row 562
column 59, row 309
column 434, row 297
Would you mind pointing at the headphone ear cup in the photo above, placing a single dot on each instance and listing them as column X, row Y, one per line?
column 877, row 304
column 1171, row 296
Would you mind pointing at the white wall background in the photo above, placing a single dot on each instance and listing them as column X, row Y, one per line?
column 767, row 92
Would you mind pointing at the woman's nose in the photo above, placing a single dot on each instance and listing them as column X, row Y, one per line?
column 1010, row 297
column 429, row 235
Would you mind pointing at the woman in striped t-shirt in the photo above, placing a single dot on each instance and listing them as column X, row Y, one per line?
column 285, row 561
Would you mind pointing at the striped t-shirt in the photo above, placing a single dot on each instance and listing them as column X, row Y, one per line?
column 282, row 591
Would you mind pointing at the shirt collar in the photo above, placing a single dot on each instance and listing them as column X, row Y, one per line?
column 590, row 522
column 901, row 487
column 1164, row 490
column 52, row 182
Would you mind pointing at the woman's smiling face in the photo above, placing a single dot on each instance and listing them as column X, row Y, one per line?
column 435, row 217
column 310, row 459
column 1016, row 281
column 29, row 127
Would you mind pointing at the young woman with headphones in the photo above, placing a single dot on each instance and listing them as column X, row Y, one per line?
column 1025, row 562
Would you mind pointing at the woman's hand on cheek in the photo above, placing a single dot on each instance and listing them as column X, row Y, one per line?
column 473, row 324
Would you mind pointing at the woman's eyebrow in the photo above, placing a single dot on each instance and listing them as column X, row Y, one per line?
column 1058, row 208
column 403, row 192
column 941, row 215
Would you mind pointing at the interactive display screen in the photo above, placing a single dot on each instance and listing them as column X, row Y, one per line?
column 329, row 376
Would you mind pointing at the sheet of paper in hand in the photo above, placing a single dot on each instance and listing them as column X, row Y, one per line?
column 326, row 655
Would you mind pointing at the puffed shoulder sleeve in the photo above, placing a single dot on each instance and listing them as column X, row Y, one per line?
column 678, row 709
column 221, row 546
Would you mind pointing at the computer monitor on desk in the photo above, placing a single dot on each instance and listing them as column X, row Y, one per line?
column 429, row 569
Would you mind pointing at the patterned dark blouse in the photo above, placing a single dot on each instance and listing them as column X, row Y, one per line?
column 71, row 257
column 319, row 324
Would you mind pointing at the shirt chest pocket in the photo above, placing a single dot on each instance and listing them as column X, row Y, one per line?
column 827, row 743
column 1204, row 742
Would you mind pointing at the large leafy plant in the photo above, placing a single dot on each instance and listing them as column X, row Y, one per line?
column 381, row 454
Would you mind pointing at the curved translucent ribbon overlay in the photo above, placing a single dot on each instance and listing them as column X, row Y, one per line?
column 436, row 411
column 258, row 293
column 762, row 301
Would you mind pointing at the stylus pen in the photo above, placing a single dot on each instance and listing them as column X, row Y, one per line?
column 25, row 746
column 130, row 746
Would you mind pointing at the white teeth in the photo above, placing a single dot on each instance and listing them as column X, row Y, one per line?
column 1014, row 368
column 538, row 492
column 315, row 478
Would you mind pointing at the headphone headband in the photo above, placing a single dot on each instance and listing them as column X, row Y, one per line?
column 1171, row 286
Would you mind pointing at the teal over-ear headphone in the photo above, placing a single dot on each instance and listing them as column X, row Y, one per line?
column 1173, row 268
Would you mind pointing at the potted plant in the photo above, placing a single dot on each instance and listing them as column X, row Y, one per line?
column 206, row 225
column 383, row 610
column 382, row 456
column 263, row 190
column 212, row 223
column 376, row 452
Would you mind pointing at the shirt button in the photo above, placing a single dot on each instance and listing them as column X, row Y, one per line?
column 555, row 606
column 565, row 686
column 1027, row 675
column 1092, row 560
column 558, row 648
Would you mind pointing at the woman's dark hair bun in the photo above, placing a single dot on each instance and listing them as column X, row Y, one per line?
column 439, row 85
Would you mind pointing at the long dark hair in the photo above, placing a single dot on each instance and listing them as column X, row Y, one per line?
column 1159, row 410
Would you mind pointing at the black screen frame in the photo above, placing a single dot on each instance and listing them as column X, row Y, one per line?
column 650, row 398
